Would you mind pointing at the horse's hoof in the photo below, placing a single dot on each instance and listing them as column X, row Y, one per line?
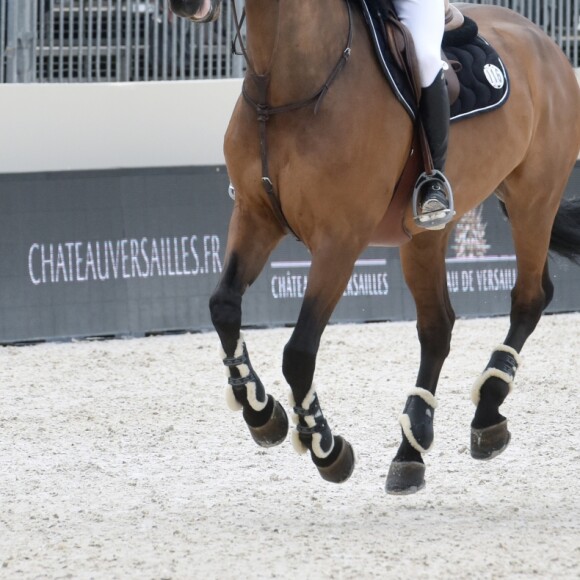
column 274, row 430
column 489, row 442
column 342, row 467
column 405, row 477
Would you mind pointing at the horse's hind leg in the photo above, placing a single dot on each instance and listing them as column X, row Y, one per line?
column 329, row 274
column 423, row 261
column 252, row 236
column 531, row 294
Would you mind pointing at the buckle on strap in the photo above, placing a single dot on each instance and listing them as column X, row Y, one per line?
column 312, row 411
column 318, row 428
column 241, row 381
column 235, row 361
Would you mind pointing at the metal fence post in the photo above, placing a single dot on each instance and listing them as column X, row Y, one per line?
column 21, row 41
column 3, row 21
column 131, row 40
column 238, row 64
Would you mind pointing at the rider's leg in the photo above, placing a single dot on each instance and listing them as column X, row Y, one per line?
column 434, row 110
column 425, row 20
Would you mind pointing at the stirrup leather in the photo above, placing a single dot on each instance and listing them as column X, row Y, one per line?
column 441, row 218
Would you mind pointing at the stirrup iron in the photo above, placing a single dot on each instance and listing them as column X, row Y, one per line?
column 439, row 219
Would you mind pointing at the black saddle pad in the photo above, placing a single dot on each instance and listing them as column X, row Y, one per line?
column 483, row 77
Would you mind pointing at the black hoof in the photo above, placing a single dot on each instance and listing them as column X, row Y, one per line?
column 274, row 430
column 489, row 442
column 342, row 462
column 405, row 477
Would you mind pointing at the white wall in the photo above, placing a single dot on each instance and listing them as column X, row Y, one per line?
column 60, row 127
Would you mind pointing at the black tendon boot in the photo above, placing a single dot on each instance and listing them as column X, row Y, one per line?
column 433, row 198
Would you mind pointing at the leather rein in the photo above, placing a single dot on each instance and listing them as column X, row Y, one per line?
column 264, row 111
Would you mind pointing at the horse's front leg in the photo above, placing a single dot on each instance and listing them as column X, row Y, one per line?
column 252, row 237
column 329, row 274
column 423, row 261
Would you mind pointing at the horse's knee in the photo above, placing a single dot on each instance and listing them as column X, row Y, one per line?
column 548, row 288
column 526, row 311
column 527, row 316
column 298, row 368
column 226, row 309
column 435, row 339
column 226, row 314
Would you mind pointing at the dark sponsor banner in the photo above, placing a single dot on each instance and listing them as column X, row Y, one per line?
column 109, row 253
column 131, row 252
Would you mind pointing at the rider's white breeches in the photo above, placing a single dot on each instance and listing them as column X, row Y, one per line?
column 425, row 20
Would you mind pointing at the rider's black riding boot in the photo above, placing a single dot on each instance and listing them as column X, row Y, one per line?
column 435, row 198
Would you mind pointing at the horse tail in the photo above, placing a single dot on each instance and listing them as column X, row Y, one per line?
column 565, row 238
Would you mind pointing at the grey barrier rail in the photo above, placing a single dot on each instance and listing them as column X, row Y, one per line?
column 110, row 41
column 139, row 40
column 558, row 18
column 133, row 252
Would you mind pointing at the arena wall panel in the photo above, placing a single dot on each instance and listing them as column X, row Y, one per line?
column 137, row 251
column 114, row 212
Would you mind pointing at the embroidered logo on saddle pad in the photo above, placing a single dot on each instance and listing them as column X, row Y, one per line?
column 494, row 76
column 483, row 78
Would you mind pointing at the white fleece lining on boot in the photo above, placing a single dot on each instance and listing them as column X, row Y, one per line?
column 510, row 350
column 239, row 348
column 405, row 423
column 232, row 402
column 309, row 397
column 426, row 395
column 487, row 374
column 299, row 447
column 244, row 371
column 310, row 422
column 405, row 420
column 491, row 372
column 292, row 403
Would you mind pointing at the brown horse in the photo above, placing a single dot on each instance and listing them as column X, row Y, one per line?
column 332, row 150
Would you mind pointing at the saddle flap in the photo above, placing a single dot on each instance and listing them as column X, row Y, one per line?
column 450, row 69
column 402, row 48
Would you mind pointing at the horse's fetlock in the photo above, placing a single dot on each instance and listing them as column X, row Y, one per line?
column 548, row 288
column 255, row 418
column 494, row 391
column 436, row 340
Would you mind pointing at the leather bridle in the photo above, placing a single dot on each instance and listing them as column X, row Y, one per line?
column 264, row 111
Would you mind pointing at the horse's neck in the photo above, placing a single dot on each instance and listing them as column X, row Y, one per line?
column 262, row 29
column 296, row 43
